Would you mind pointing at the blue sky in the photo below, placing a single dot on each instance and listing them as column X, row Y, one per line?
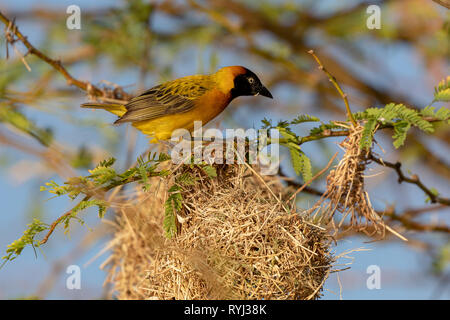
column 403, row 270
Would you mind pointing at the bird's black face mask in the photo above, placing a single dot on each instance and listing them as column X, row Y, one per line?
column 248, row 84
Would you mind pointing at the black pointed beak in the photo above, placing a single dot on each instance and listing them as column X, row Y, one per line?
column 266, row 93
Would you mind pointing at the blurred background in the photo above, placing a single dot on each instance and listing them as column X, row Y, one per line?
column 45, row 135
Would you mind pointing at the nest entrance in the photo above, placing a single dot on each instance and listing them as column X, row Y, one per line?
column 236, row 240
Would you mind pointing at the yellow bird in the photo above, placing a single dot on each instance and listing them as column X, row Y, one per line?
column 178, row 103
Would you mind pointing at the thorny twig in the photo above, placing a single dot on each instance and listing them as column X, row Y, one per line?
column 57, row 221
column 12, row 31
column 413, row 179
column 336, row 85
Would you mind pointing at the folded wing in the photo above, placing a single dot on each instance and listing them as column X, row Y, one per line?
column 172, row 97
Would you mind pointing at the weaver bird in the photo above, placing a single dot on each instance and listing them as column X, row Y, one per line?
column 178, row 103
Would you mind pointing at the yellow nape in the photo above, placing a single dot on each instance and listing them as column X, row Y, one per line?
column 225, row 77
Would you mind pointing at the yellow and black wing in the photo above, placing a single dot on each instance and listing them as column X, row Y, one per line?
column 173, row 97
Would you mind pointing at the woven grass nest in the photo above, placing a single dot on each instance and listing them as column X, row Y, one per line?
column 236, row 240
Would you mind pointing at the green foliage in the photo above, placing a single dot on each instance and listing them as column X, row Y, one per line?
column 397, row 116
column 367, row 135
column 443, row 114
column 142, row 167
column 172, row 205
column 301, row 164
column 107, row 162
column 323, row 128
column 174, row 202
column 304, row 118
column 82, row 159
column 121, row 33
column 104, row 177
column 210, row 171
column 58, row 190
column 434, row 192
column 441, row 260
column 400, row 132
column 12, row 72
column 83, row 205
column 18, row 120
column 285, row 125
column 400, row 118
column 100, row 175
column 286, row 132
column 186, row 179
column 28, row 238
column 129, row 35
column 300, row 161
column 442, row 90
column 101, row 179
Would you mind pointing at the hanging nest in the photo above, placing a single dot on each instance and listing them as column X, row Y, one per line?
column 346, row 194
column 235, row 240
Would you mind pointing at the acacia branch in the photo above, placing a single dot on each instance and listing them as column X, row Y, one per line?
column 57, row 221
column 405, row 219
column 56, row 64
column 92, row 193
column 444, row 3
column 336, row 85
column 409, row 224
column 413, row 179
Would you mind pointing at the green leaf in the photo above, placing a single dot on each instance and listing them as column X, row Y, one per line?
column 400, row 117
column 400, row 132
column 266, row 123
column 301, row 164
column 82, row 159
column 443, row 114
column 185, row 179
column 442, row 91
column 412, row 117
column 172, row 205
column 107, row 162
column 143, row 174
column 83, row 205
column 367, row 134
column 324, row 126
column 20, row 121
column 442, row 259
column 434, row 192
column 428, row 111
column 210, row 171
column 101, row 175
column 304, row 118
column 443, row 95
column 16, row 247
column 163, row 157
column 56, row 189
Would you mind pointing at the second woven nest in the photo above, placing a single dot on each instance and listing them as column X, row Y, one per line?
column 236, row 240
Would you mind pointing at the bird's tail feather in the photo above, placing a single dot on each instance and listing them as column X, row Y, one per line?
column 117, row 109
